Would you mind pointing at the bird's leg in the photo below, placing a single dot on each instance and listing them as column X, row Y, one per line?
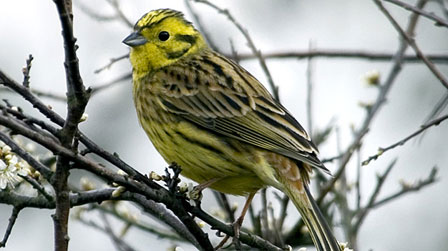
column 196, row 193
column 238, row 223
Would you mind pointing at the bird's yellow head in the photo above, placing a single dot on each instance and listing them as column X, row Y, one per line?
column 160, row 38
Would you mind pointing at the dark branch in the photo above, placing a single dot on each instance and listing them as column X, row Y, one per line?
column 158, row 195
column 26, row 71
column 54, row 117
column 12, row 221
column 249, row 239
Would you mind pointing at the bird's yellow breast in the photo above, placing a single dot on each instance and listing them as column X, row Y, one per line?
column 203, row 157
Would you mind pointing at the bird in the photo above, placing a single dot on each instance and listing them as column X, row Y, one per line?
column 209, row 115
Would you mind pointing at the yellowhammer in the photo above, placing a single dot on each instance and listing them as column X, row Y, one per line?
column 212, row 117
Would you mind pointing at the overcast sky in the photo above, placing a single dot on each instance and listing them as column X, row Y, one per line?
column 415, row 222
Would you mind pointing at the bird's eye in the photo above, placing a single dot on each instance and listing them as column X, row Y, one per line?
column 164, row 35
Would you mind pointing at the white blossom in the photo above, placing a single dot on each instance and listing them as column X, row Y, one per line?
column 10, row 167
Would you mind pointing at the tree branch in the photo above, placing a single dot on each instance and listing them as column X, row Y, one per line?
column 382, row 150
column 45, row 171
column 439, row 21
column 432, row 177
column 26, row 71
column 55, row 118
column 413, row 45
column 380, row 100
column 380, row 181
column 343, row 54
column 12, row 221
column 249, row 239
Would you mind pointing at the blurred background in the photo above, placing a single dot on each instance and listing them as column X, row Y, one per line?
column 417, row 221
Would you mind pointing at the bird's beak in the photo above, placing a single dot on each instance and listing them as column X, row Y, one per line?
column 135, row 39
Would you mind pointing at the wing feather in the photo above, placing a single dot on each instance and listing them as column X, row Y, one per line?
column 223, row 97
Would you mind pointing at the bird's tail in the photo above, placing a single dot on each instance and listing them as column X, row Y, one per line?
column 320, row 232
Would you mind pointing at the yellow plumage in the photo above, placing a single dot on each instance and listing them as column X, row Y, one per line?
column 212, row 117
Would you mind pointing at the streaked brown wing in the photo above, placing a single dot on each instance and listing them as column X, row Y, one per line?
column 217, row 94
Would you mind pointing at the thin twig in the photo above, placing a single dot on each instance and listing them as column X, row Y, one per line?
column 309, row 93
column 47, row 94
column 382, row 150
column 40, row 93
column 331, row 159
column 120, row 14
column 278, row 237
column 317, row 53
column 235, row 56
column 156, row 230
column 380, row 181
column 264, row 214
column 256, row 221
column 26, row 71
column 380, row 100
column 439, row 21
column 341, row 194
column 38, row 187
column 224, row 204
column 283, row 210
column 438, row 108
column 97, row 89
column 94, row 14
column 358, row 178
column 410, row 40
column 344, row 54
column 432, row 177
column 198, row 24
column 119, row 242
column 12, row 221
column 30, row 121
column 111, row 62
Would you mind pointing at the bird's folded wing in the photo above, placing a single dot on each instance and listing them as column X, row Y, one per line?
column 246, row 113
